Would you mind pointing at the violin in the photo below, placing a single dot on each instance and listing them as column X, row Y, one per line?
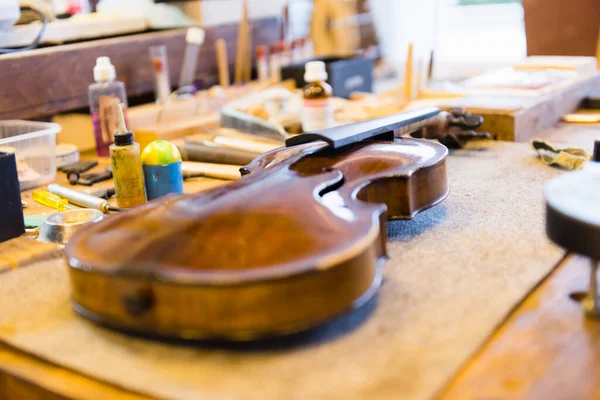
column 299, row 240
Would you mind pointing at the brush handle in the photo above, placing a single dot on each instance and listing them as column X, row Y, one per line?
column 218, row 171
column 78, row 198
column 222, row 62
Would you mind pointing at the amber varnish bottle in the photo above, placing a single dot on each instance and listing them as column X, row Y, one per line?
column 317, row 110
column 127, row 167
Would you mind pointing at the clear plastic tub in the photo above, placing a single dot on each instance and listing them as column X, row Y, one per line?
column 34, row 145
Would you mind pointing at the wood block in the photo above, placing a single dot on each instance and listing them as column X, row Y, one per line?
column 522, row 118
column 77, row 130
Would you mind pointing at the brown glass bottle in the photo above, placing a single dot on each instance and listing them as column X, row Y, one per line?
column 317, row 112
column 317, row 90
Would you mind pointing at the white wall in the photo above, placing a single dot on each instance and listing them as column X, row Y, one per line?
column 399, row 22
column 467, row 39
column 211, row 13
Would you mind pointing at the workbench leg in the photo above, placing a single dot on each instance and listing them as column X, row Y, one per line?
column 592, row 303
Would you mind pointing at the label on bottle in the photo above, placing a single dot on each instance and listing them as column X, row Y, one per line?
column 101, row 148
column 109, row 116
column 127, row 175
column 317, row 114
column 106, row 123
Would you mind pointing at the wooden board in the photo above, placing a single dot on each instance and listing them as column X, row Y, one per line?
column 546, row 349
column 521, row 119
column 55, row 79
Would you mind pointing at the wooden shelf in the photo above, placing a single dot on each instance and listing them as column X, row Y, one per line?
column 42, row 82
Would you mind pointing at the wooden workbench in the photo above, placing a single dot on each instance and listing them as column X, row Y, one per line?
column 544, row 349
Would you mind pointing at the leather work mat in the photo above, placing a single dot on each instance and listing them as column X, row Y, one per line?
column 454, row 274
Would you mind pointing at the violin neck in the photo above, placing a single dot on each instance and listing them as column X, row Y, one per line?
column 434, row 123
column 340, row 136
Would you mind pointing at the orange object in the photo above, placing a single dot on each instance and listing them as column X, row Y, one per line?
column 408, row 74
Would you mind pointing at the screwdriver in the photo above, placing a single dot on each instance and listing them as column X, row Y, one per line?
column 82, row 199
column 48, row 199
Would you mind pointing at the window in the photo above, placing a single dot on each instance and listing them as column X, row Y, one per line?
column 469, row 36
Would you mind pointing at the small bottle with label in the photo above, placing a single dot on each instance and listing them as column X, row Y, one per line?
column 317, row 107
column 127, row 167
column 105, row 95
column 262, row 63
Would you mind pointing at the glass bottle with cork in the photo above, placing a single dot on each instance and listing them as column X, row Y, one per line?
column 317, row 107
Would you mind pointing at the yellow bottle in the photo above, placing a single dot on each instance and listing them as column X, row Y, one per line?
column 127, row 167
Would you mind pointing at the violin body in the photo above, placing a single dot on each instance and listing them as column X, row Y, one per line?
column 300, row 239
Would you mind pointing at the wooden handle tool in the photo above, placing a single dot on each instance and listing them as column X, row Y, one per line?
column 217, row 171
column 222, row 62
column 242, row 42
column 408, row 74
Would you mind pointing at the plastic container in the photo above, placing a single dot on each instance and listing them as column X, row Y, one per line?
column 34, row 145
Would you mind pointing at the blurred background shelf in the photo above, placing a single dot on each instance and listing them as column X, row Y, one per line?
column 55, row 79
